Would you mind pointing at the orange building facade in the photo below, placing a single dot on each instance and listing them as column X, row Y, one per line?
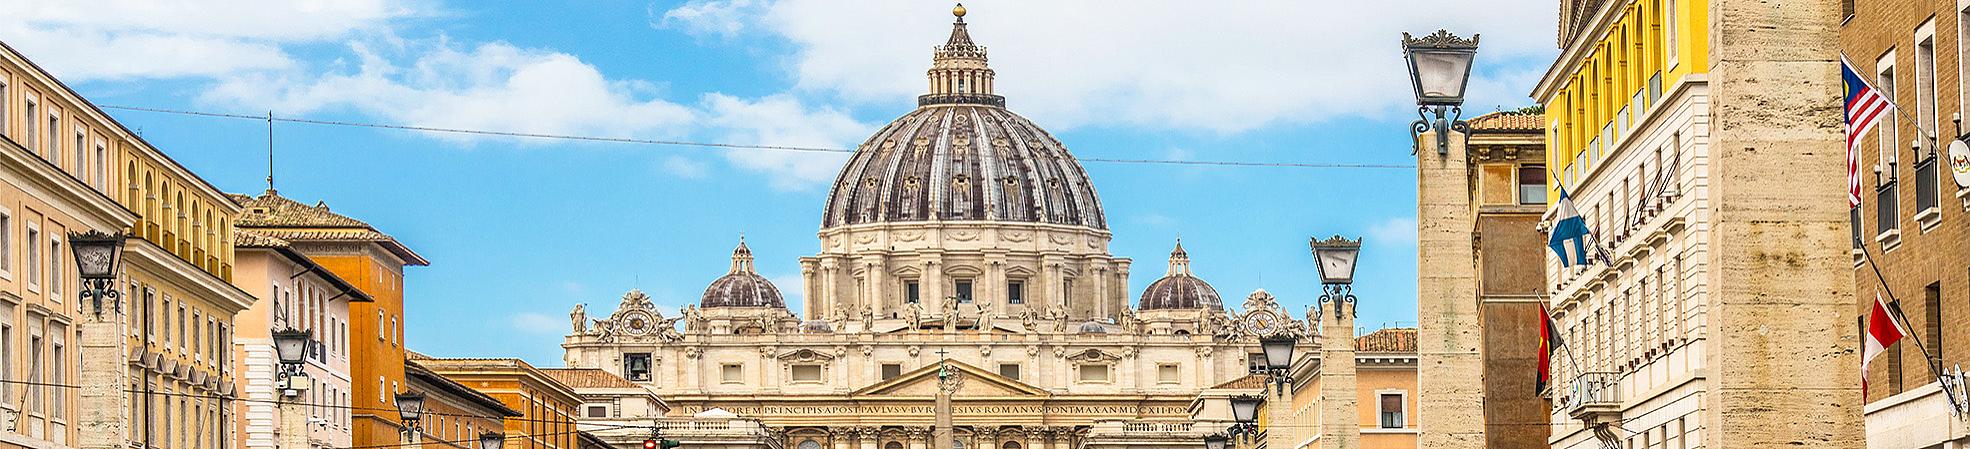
column 547, row 407
column 374, row 263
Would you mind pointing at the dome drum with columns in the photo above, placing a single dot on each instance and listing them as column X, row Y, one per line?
column 959, row 230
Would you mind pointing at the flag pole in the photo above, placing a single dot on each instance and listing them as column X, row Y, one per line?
column 1901, row 319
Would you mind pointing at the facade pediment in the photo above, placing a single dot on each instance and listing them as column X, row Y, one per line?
column 977, row 383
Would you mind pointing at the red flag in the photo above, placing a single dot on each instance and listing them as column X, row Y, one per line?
column 1549, row 341
column 1882, row 331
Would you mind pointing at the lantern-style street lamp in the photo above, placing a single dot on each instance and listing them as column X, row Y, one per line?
column 1439, row 70
column 1216, row 441
column 1336, row 259
column 98, row 257
column 410, row 407
column 1245, row 409
column 492, row 440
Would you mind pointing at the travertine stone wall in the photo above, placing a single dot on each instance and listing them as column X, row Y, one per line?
column 1452, row 414
column 1782, row 346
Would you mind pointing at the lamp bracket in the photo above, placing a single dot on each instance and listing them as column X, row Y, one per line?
column 1341, row 296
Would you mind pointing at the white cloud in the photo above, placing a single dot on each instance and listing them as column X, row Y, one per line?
column 782, row 120
column 684, row 167
column 1222, row 66
column 540, row 323
column 82, row 40
column 707, row 17
column 1397, row 232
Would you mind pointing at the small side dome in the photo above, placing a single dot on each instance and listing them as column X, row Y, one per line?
column 741, row 287
column 1093, row 328
column 1179, row 289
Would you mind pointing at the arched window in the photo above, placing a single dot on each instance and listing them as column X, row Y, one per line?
column 809, row 444
column 893, row 445
column 1010, row 445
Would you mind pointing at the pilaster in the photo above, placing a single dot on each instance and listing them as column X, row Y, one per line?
column 104, row 405
column 1340, row 426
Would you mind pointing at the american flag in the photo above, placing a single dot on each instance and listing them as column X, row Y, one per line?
column 1864, row 107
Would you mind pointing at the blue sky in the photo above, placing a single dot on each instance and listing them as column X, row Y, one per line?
column 520, row 230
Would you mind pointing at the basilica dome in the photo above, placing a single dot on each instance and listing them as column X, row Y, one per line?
column 1179, row 289
column 742, row 287
column 961, row 155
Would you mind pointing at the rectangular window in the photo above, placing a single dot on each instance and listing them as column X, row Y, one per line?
column 7, row 328
column 1932, row 322
column 1391, row 411
column 1255, row 363
column 33, row 256
column 598, row 411
column 1015, row 292
column 6, row 242
column 1167, row 374
column 3, row 108
column 809, row 373
column 910, row 291
column 58, row 370
column 1532, row 184
column 1094, row 373
column 1009, row 370
column 180, row 333
column 636, row 367
column 35, row 366
column 32, row 145
column 54, row 154
column 963, row 290
column 731, row 373
column 891, row 370
column 76, row 153
column 55, row 274
column 1927, row 189
column 102, row 166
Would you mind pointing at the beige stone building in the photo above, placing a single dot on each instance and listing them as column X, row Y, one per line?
column 171, row 368
column 962, row 232
column 1679, row 127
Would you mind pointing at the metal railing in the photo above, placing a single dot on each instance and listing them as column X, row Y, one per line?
column 1158, row 427
column 1592, row 390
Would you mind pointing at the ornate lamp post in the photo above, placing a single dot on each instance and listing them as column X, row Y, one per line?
column 98, row 259
column 1245, row 417
column 291, row 349
column 1216, row 441
column 1336, row 258
column 492, row 440
column 410, row 408
column 98, row 256
column 1439, row 69
column 1340, row 425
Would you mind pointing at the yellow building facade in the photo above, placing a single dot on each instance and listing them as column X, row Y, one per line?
column 1618, row 58
column 178, row 304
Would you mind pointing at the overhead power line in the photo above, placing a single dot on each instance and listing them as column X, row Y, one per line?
column 719, row 145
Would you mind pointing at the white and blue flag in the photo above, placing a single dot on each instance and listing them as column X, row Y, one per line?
column 1570, row 237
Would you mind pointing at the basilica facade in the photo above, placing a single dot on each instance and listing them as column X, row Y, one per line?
column 961, row 238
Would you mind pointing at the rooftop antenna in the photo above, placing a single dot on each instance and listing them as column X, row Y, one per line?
column 270, row 151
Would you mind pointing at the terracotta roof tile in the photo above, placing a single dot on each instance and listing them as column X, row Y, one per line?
column 588, row 378
column 1509, row 121
column 1249, row 382
column 1387, row 340
column 272, row 210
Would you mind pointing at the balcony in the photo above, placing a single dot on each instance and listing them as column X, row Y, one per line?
column 1592, row 399
column 1120, row 433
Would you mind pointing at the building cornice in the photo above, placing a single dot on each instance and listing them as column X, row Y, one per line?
column 186, row 275
column 1577, row 51
column 96, row 210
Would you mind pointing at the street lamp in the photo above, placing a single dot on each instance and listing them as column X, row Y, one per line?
column 1439, row 70
column 98, row 256
column 291, row 347
column 492, row 440
column 291, row 350
column 1216, row 441
column 1245, row 409
column 410, row 407
column 1336, row 259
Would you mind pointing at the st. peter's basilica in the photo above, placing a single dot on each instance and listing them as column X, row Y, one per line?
column 961, row 231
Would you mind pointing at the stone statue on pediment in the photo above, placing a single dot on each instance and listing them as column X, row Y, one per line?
column 984, row 315
column 915, row 315
column 1030, row 319
column 868, row 318
column 580, row 318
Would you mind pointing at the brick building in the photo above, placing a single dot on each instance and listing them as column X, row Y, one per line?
column 1911, row 223
column 1508, row 191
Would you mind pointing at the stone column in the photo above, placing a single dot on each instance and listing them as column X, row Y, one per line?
column 1340, row 426
column 1447, row 320
column 868, row 437
column 830, row 290
column 1779, row 269
column 104, row 405
column 918, row 437
column 294, row 423
column 1283, row 431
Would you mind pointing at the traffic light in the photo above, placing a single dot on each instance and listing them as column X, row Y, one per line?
column 661, row 444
